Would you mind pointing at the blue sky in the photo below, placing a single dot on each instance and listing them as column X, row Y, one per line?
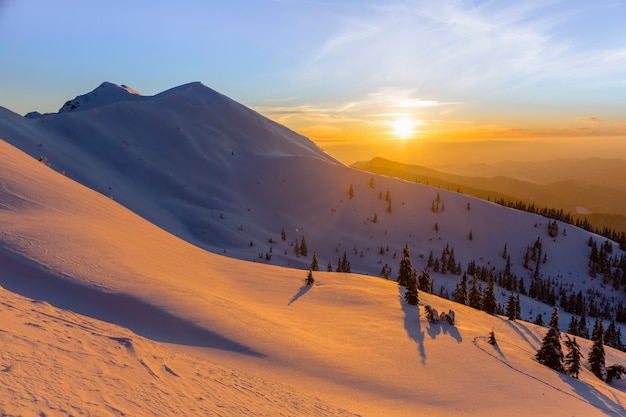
column 338, row 71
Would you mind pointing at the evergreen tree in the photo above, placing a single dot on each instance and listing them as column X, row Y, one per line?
column 550, row 354
column 596, row 356
column 572, row 358
column 611, row 336
column 539, row 320
column 411, row 296
column 489, row 302
column 460, row 293
column 283, row 235
column 314, row 264
column 296, row 247
column 345, row 264
column 614, row 372
column 511, row 308
column 475, row 294
column 329, row 267
column 424, row 282
column 583, row 330
column 573, row 326
column 304, row 250
column 309, row 278
column 351, row 192
column 406, row 267
column 492, row 339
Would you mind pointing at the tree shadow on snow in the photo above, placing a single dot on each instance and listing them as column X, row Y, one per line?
column 435, row 329
column 609, row 406
column 412, row 324
column 523, row 331
column 24, row 277
column 303, row 290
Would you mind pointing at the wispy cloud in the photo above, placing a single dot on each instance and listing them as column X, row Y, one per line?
column 458, row 45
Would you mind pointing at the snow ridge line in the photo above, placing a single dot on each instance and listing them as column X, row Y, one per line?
column 485, row 338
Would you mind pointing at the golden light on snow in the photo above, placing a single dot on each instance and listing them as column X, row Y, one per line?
column 404, row 126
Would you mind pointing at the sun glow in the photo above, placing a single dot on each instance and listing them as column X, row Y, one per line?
column 404, row 127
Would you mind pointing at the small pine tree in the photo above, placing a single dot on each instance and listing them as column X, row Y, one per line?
column 460, row 293
column 411, row 296
column 550, row 354
column 474, row 294
column 351, row 192
column 596, row 355
column 492, row 339
column 572, row 328
column 424, row 283
column 614, row 372
column 309, row 278
column 329, row 267
column 539, row 320
column 314, row 264
column 406, row 267
column 345, row 264
column 471, row 235
column 511, row 307
column 372, row 185
column 572, row 358
column 304, row 250
column 489, row 302
column 283, row 235
column 375, row 220
column 389, row 209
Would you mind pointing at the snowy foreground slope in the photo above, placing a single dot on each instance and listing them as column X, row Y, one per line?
column 105, row 314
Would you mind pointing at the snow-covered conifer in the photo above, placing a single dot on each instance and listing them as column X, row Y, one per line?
column 411, row 295
column 572, row 358
column 550, row 354
column 596, row 355
column 406, row 267
column 309, row 278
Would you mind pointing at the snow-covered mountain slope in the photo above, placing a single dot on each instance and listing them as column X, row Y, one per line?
column 227, row 179
column 242, row 338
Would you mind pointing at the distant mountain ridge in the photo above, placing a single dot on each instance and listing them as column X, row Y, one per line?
column 598, row 198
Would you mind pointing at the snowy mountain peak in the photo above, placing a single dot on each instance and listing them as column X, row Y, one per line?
column 105, row 93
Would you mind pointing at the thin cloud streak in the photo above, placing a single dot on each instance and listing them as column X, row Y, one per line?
column 458, row 46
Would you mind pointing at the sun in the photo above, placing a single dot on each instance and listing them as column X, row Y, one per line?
column 404, row 127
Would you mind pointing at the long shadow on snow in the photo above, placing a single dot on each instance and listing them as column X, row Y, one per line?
column 412, row 324
column 28, row 279
column 434, row 329
column 609, row 406
column 516, row 326
column 303, row 290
